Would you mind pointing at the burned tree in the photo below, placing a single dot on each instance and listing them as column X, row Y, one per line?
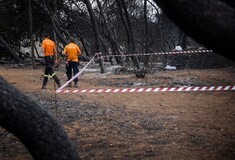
column 212, row 23
column 36, row 128
column 45, row 138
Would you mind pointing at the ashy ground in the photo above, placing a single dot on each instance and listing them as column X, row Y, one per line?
column 135, row 126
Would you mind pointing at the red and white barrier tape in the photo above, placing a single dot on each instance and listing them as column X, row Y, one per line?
column 161, row 53
column 138, row 90
column 99, row 55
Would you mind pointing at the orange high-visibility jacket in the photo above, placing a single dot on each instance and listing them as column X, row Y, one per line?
column 72, row 51
column 48, row 47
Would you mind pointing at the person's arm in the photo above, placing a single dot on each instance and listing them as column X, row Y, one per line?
column 78, row 51
column 65, row 51
column 54, row 53
column 43, row 47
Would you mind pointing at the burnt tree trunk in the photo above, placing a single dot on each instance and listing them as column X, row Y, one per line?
column 146, row 38
column 96, row 32
column 109, row 35
column 37, row 130
column 47, row 9
column 10, row 50
column 31, row 35
column 130, row 37
column 211, row 23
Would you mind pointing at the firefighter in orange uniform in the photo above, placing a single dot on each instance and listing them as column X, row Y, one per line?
column 72, row 51
column 49, row 50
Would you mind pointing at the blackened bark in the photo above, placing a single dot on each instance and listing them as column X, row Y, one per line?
column 97, row 33
column 182, row 40
column 211, row 23
column 130, row 36
column 31, row 35
column 109, row 35
column 37, row 130
column 10, row 50
column 146, row 38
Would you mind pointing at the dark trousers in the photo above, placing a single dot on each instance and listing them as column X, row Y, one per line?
column 72, row 69
column 49, row 71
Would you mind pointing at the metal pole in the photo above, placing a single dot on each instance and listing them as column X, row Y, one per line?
column 55, row 100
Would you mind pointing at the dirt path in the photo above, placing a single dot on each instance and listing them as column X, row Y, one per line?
column 146, row 126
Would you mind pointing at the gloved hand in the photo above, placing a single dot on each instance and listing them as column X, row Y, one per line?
column 56, row 64
column 66, row 65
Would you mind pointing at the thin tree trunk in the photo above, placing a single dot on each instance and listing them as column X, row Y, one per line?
column 183, row 40
column 10, row 50
column 54, row 24
column 130, row 32
column 54, row 33
column 96, row 32
column 31, row 35
column 146, row 39
column 109, row 35
column 81, row 38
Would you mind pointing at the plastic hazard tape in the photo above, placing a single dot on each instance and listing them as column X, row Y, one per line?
column 138, row 90
column 161, row 53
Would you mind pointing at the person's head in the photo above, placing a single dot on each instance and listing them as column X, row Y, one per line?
column 71, row 40
column 45, row 35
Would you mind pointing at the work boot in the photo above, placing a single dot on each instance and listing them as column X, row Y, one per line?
column 43, row 87
column 69, row 85
column 57, row 81
column 58, row 84
column 44, row 83
column 76, row 85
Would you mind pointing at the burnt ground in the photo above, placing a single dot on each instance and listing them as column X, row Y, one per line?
column 135, row 126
